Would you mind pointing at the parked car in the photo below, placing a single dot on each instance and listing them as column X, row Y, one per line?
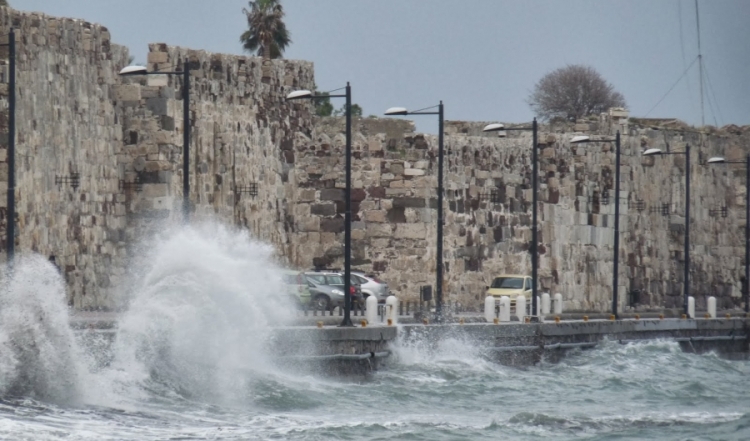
column 511, row 285
column 297, row 287
column 372, row 286
column 327, row 290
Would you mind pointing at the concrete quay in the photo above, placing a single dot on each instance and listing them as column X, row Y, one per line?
column 511, row 343
column 344, row 350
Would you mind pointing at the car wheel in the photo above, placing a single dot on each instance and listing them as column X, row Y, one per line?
column 322, row 302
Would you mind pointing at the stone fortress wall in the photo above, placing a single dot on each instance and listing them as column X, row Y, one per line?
column 123, row 137
column 488, row 209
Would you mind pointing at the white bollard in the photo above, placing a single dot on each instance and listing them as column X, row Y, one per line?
column 504, row 309
column 545, row 303
column 712, row 307
column 691, row 307
column 558, row 304
column 520, row 308
column 371, row 310
column 489, row 309
column 391, row 309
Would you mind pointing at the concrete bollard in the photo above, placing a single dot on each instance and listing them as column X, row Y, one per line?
column 504, row 309
column 545, row 303
column 691, row 307
column 371, row 309
column 391, row 309
column 489, row 309
column 712, row 307
column 558, row 304
column 520, row 308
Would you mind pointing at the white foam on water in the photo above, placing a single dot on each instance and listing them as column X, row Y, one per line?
column 39, row 357
column 201, row 306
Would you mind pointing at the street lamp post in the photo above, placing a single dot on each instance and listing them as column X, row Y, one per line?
column 616, row 258
column 439, row 257
column 534, row 197
column 10, row 224
column 140, row 70
column 720, row 160
column 686, row 269
column 306, row 94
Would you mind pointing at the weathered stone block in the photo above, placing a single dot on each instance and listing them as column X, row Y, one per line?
column 311, row 223
column 406, row 202
column 127, row 92
column 375, row 216
column 157, row 57
column 411, row 231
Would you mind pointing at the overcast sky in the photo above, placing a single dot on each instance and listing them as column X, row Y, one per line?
column 481, row 57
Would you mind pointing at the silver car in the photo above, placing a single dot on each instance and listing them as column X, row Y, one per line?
column 372, row 286
column 327, row 290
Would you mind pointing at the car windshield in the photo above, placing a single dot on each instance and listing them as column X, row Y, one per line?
column 508, row 283
column 318, row 279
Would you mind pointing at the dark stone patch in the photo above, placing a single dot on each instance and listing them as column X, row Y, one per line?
column 553, row 196
column 376, row 192
column 380, row 266
column 408, row 203
column 332, row 194
column 332, row 225
column 323, row 209
column 322, row 262
column 396, row 215
column 358, row 194
column 472, row 264
column 167, row 122
column 132, row 138
column 497, row 234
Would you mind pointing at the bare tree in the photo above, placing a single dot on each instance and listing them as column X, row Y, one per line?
column 572, row 92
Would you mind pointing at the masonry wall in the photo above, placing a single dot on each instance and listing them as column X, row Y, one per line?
column 99, row 156
column 66, row 126
column 241, row 131
column 266, row 165
column 488, row 209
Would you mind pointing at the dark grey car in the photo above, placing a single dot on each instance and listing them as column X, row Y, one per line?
column 327, row 290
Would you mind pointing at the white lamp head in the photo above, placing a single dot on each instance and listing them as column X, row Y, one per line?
column 299, row 94
column 133, row 70
column 579, row 138
column 495, row 127
column 397, row 111
column 651, row 152
column 716, row 160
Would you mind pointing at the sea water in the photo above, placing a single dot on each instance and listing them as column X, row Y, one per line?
column 189, row 362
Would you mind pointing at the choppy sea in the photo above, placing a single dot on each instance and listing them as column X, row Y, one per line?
column 188, row 362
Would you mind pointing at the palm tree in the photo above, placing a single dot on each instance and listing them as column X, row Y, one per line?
column 266, row 34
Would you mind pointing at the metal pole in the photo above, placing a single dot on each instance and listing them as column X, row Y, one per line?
column 747, row 235
column 11, row 219
column 348, row 213
column 616, row 259
column 439, row 257
column 687, row 229
column 534, row 248
column 186, row 142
